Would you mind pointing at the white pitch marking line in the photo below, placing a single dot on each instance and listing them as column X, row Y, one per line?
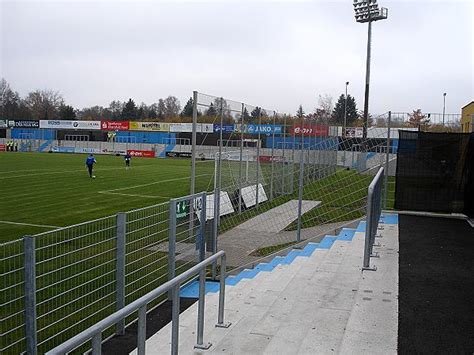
column 133, row 195
column 154, row 183
column 29, row 224
column 65, row 172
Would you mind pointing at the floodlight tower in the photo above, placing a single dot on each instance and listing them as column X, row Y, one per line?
column 368, row 11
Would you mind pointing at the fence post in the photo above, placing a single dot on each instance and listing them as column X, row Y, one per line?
column 215, row 227
column 241, row 156
column 120, row 268
column 220, row 315
column 387, row 160
column 202, row 228
column 258, row 159
column 300, row 186
column 273, row 156
column 171, row 245
column 30, row 295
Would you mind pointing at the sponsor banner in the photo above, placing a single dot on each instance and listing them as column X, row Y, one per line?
column 113, row 151
column 57, row 149
column 354, row 132
column 87, row 150
column 23, row 124
column 3, row 124
column 227, row 128
column 3, row 147
column 269, row 159
column 114, row 125
column 181, row 127
column 149, row 126
column 262, row 129
column 141, row 153
column 205, row 127
column 63, row 124
column 309, row 130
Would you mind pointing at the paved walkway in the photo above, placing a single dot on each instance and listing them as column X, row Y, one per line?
column 321, row 304
column 278, row 218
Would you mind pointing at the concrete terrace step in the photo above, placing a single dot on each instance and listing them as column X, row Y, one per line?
column 314, row 300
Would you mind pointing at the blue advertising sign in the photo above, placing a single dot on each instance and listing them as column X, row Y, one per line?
column 263, row 129
column 227, row 128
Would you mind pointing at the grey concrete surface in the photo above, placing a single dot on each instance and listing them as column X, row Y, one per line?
column 323, row 304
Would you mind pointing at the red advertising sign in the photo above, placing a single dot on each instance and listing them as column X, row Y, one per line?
column 269, row 159
column 309, row 130
column 3, row 147
column 115, row 125
column 141, row 153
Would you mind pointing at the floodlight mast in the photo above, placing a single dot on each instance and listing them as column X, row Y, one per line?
column 368, row 11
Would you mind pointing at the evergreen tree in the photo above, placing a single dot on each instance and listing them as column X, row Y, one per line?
column 256, row 113
column 130, row 111
column 246, row 115
column 67, row 112
column 211, row 111
column 351, row 114
column 188, row 108
column 300, row 112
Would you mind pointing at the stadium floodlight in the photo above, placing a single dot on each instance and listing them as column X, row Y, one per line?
column 368, row 11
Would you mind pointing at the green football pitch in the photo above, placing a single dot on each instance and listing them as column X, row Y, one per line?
column 43, row 191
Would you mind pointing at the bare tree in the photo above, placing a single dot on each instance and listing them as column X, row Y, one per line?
column 116, row 108
column 9, row 101
column 325, row 109
column 172, row 106
column 44, row 104
column 417, row 119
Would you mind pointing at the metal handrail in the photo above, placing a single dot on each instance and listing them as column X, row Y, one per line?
column 374, row 210
column 95, row 332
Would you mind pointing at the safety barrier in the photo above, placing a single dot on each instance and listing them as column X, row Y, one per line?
column 95, row 332
column 374, row 210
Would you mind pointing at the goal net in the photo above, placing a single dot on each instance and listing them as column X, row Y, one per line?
column 238, row 170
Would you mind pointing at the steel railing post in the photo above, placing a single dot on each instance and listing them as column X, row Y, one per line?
column 220, row 315
column 97, row 344
column 141, row 332
column 175, row 321
column 387, row 160
column 120, row 268
column 30, row 295
column 201, row 304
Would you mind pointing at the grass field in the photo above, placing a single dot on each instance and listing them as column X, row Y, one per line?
column 41, row 191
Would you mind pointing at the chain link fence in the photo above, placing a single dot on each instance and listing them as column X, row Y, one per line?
column 283, row 180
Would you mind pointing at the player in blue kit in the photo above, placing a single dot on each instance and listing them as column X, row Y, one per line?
column 127, row 158
column 90, row 161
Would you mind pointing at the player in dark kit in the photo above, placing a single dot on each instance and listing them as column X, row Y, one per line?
column 127, row 158
column 90, row 161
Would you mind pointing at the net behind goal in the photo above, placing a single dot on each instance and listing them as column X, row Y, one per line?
column 238, row 170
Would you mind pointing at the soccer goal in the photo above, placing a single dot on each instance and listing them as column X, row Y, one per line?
column 238, row 170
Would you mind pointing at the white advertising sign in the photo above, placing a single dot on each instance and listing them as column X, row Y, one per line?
column 249, row 195
column 224, row 208
column 63, row 124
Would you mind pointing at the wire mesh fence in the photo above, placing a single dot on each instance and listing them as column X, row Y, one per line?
column 70, row 278
column 280, row 177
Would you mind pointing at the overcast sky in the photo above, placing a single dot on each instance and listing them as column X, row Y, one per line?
column 275, row 54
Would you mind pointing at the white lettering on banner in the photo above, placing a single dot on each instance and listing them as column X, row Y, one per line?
column 63, row 124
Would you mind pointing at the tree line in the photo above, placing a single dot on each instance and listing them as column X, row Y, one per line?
column 50, row 104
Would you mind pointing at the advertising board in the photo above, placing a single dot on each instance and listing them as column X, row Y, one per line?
column 76, row 125
column 141, row 153
column 114, row 125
